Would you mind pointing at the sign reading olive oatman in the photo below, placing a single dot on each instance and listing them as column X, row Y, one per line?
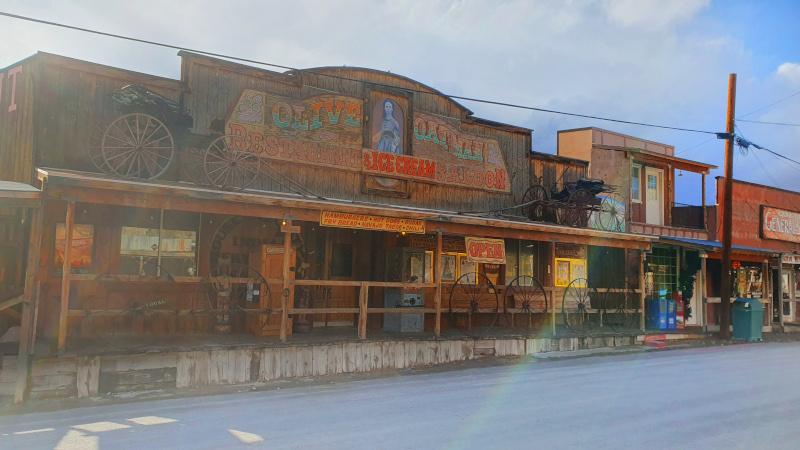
column 327, row 131
column 486, row 250
column 361, row 221
column 780, row 224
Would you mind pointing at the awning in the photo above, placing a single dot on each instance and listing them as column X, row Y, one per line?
column 14, row 195
column 715, row 246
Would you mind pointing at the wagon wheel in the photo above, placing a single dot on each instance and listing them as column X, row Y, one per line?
column 620, row 307
column 192, row 166
column 474, row 304
column 138, row 146
column 133, row 325
column 579, row 206
column 227, row 297
column 94, row 145
column 581, row 307
column 611, row 216
column 230, row 163
column 526, row 305
column 533, row 201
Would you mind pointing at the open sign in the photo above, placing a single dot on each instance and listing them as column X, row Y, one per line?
column 485, row 250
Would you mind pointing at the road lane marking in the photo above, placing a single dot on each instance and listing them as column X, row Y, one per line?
column 75, row 440
column 99, row 427
column 42, row 430
column 150, row 420
column 247, row 438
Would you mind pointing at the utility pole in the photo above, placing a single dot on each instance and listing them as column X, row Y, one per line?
column 727, row 217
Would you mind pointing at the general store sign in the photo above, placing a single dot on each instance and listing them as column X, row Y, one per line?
column 364, row 222
column 780, row 224
column 328, row 131
column 485, row 250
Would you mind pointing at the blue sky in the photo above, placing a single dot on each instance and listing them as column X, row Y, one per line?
column 656, row 61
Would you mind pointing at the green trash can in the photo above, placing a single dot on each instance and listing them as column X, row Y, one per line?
column 747, row 316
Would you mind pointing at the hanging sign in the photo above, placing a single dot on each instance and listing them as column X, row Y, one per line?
column 364, row 222
column 570, row 251
column 790, row 259
column 780, row 224
column 449, row 244
column 484, row 250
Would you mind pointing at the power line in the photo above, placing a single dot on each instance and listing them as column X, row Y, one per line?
column 770, row 123
column 770, row 105
column 219, row 55
column 694, row 147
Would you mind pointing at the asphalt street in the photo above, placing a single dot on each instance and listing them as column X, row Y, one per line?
column 743, row 396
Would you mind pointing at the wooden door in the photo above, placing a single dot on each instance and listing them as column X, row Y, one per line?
column 340, row 265
column 268, row 260
column 654, row 196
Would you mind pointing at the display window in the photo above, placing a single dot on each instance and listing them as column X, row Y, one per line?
column 157, row 242
column 81, row 249
column 568, row 270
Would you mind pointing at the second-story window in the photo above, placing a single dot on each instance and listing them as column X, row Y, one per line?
column 636, row 183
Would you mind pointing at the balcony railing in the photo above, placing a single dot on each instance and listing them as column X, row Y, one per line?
column 687, row 216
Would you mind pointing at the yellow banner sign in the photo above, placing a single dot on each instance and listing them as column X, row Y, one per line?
column 486, row 250
column 361, row 221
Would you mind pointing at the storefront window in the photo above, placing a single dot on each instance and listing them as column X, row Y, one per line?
column 636, row 183
column 527, row 253
column 157, row 243
column 82, row 248
column 570, row 263
column 663, row 264
column 512, row 259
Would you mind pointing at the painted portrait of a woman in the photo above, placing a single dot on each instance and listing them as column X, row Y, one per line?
column 389, row 137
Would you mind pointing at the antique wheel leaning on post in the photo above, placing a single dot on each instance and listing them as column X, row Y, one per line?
column 621, row 307
column 474, row 304
column 229, row 163
column 581, row 307
column 611, row 216
column 579, row 207
column 138, row 146
column 526, row 305
column 233, row 292
column 533, row 201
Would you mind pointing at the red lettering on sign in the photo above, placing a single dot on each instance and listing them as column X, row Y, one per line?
column 390, row 165
column 272, row 146
column 499, row 179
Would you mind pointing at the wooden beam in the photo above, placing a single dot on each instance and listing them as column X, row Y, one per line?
column 705, row 216
column 28, row 321
column 362, row 313
column 65, row 274
column 551, row 278
column 641, row 286
column 287, row 288
column 14, row 301
column 437, row 279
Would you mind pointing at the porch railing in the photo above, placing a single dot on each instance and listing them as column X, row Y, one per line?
column 687, row 216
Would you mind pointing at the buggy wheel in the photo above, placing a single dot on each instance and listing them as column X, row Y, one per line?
column 620, row 307
column 94, row 146
column 474, row 304
column 138, row 146
column 580, row 205
column 611, row 216
column 581, row 306
column 526, row 305
column 229, row 163
column 533, row 202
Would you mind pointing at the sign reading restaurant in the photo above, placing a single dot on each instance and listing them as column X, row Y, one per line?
column 780, row 224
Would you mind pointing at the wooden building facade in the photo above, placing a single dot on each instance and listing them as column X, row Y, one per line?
column 241, row 200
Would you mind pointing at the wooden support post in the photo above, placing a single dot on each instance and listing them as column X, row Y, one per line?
column 703, row 294
column 642, row 289
column 727, row 217
column 363, row 292
column 551, row 277
column 437, row 278
column 27, row 324
column 287, row 296
column 65, row 275
column 765, row 303
column 705, row 215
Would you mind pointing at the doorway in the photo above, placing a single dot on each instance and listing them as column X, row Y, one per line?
column 654, row 196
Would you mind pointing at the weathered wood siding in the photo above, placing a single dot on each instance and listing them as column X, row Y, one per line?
column 16, row 121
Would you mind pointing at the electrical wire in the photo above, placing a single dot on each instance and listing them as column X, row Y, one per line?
column 280, row 66
column 770, row 105
column 770, row 123
column 694, row 147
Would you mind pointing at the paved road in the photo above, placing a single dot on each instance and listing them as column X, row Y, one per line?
column 745, row 396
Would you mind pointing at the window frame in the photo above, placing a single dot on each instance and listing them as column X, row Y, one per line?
column 635, row 199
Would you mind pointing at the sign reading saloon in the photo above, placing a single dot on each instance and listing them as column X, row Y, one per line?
column 327, row 131
column 780, row 224
column 485, row 250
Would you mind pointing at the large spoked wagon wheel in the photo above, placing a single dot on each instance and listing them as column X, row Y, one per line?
column 94, row 145
column 138, row 146
column 581, row 308
column 526, row 305
column 611, row 216
column 230, row 163
column 474, row 304
column 533, row 201
column 621, row 312
column 232, row 296
column 579, row 206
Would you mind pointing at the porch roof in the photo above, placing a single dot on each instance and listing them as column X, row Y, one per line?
column 715, row 246
column 98, row 188
column 13, row 194
column 649, row 156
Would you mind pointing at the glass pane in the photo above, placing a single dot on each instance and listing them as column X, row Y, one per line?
column 82, row 248
column 342, row 261
column 652, row 187
column 635, row 183
column 512, row 259
column 526, row 259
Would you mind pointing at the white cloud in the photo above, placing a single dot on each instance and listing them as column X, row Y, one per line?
column 653, row 14
column 790, row 71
